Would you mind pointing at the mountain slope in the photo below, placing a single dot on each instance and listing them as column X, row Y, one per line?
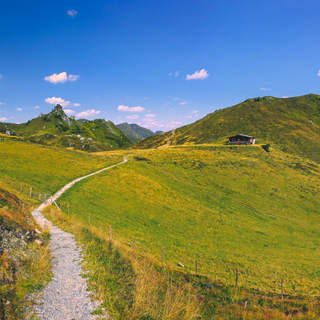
column 56, row 128
column 293, row 124
column 134, row 132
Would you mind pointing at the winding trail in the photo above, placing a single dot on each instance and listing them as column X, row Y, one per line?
column 66, row 296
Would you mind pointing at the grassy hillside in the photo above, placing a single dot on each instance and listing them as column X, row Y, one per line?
column 292, row 125
column 57, row 129
column 47, row 169
column 227, row 207
column 24, row 265
column 134, row 132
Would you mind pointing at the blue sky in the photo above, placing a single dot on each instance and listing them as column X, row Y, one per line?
column 161, row 64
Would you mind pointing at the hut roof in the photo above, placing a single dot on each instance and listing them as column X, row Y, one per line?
column 241, row 135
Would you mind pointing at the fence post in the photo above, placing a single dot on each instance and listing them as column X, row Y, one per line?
column 110, row 234
column 89, row 219
column 30, row 192
column 133, row 243
column 68, row 208
column 236, row 277
column 45, row 198
column 21, row 187
column 162, row 258
column 282, row 288
column 196, row 267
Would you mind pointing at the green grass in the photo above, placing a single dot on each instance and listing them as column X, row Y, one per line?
column 227, row 207
column 47, row 169
column 293, row 125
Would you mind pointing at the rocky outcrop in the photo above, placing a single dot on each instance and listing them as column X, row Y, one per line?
column 59, row 113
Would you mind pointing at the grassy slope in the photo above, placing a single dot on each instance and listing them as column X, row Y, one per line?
column 47, row 169
column 23, row 270
column 53, row 131
column 228, row 208
column 293, row 124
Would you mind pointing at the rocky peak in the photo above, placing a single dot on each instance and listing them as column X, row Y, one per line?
column 58, row 111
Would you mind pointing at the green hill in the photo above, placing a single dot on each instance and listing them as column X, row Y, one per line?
column 134, row 132
column 56, row 128
column 292, row 124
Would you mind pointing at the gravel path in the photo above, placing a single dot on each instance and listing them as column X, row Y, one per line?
column 66, row 296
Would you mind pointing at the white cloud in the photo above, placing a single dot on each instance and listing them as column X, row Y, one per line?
column 198, row 75
column 175, row 122
column 61, row 77
column 132, row 109
column 2, row 76
column 18, row 109
column 72, row 13
column 88, row 113
column 175, row 99
column 12, row 117
column 55, row 101
column 73, row 77
column 171, row 109
column 3, row 119
column 176, row 73
column 150, row 115
column 76, row 104
column 134, row 116
column 37, row 107
column 318, row 74
column 68, row 112
column 285, row 97
column 265, row 89
column 195, row 111
column 189, row 117
column 170, row 73
column 2, row 103
column 18, row 123
column 183, row 103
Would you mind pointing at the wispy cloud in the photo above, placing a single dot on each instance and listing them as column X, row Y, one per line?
column 195, row 111
column 318, row 74
column 76, row 104
column 18, row 109
column 132, row 109
column 198, row 75
column 88, row 113
column 1, row 76
column 170, row 73
column 2, row 103
column 37, row 107
column 133, row 117
column 285, row 97
column 72, row 13
column 176, row 73
column 175, row 122
column 265, row 89
column 183, row 103
column 68, row 112
column 61, row 77
column 3, row 119
column 150, row 115
column 55, row 101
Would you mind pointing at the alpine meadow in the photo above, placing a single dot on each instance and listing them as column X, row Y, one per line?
column 189, row 227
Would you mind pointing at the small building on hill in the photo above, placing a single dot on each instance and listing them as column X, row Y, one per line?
column 241, row 139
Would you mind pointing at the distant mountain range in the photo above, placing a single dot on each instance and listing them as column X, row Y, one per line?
column 56, row 128
column 136, row 133
column 292, row 124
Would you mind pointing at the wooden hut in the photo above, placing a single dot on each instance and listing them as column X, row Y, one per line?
column 242, row 139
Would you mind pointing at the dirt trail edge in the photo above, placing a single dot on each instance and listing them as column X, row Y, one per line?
column 66, row 296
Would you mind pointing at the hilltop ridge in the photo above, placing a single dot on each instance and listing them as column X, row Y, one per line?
column 292, row 124
column 135, row 132
column 57, row 129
